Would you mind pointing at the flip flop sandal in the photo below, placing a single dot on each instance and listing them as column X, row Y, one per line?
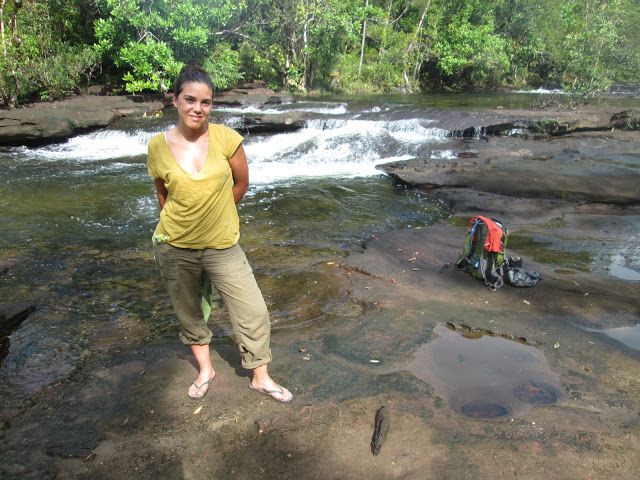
column 203, row 385
column 283, row 392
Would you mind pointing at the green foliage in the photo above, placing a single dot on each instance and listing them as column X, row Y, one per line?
column 150, row 64
column 469, row 50
column 223, row 65
column 258, row 63
column 349, row 45
column 63, row 72
column 591, row 44
column 36, row 58
column 149, row 41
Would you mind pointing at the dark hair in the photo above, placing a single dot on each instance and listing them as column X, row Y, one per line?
column 191, row 73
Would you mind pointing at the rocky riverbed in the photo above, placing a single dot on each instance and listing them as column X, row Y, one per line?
column 531, row 383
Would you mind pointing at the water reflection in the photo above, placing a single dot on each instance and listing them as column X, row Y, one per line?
column 629, row 336
column 485, row 377
column 619, row 269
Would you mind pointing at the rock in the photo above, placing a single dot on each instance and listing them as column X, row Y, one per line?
column 12, row 315
column 627, row 120
column 44, row 123
column 538, row 123
column 253, row 94
column 605, row 172
column 532, row 178
column 73, row 439
column 96, row 90
column 272, row 123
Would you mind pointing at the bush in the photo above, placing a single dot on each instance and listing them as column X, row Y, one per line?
column 62, row 73
column 150, row 64
column 224, row 67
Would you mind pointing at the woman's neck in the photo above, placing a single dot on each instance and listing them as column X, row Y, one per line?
column 191, row 135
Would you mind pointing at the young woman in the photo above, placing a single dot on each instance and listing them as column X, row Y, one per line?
column 200, row 173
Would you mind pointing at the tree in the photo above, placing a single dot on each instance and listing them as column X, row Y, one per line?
column 149, row 41
column 469, row 52
column 36, row 57
column 595, row 45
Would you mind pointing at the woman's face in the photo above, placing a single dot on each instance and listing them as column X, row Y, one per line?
column 193, row 104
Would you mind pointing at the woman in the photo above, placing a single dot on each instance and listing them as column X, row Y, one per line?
column 200, row 172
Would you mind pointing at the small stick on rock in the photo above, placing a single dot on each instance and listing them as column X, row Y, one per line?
column 380, row 430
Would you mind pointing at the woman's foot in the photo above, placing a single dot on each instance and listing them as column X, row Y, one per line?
column 263, row 383
column 277, row 392
column 200, row 386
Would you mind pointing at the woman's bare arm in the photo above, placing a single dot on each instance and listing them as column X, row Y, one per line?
column 161, row 192
column 240, row 172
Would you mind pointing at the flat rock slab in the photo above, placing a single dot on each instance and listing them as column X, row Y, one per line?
column 44, row 123
column 549, row 121
column 600, row 167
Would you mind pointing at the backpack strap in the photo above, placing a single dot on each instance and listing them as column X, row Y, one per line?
column 467, row 257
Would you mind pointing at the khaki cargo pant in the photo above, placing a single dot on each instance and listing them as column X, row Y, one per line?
column 182, row 271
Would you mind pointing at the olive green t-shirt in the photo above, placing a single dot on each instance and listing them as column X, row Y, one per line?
column 199, row 211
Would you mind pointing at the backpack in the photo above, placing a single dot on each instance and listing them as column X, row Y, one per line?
column 484, row 251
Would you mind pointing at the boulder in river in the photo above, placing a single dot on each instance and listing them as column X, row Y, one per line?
column 272, row 123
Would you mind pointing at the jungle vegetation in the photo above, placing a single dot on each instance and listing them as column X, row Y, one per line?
column 49, row 49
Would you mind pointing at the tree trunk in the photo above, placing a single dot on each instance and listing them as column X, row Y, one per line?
column 4, row 46
column 305, row 55
column 416, row 70
column 412, row 46
column 364, row 34
column 383, row 40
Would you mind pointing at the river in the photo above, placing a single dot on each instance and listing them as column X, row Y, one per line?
column 77, row 218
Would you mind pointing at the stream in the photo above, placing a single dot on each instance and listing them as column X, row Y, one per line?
column 77, row 218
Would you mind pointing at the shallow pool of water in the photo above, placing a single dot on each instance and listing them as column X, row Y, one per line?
column 484, row 376
column 629, row 336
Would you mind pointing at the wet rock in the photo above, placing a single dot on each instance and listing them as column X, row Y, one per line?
column 536, row 393
column 568, row 176
column 252, row 94
column 45, row 123
column 77, row 441
column 12, row 315
column 536, row 123
column 480, row 410
column 272, row 123
column 627, row 120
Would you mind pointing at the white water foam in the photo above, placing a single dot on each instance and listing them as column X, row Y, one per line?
column 544, row 91
column 103, row 145
column 330, row 109
column 328, row 148
column 324, row 148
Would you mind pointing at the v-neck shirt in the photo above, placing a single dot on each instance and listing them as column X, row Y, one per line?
column 199, row 211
